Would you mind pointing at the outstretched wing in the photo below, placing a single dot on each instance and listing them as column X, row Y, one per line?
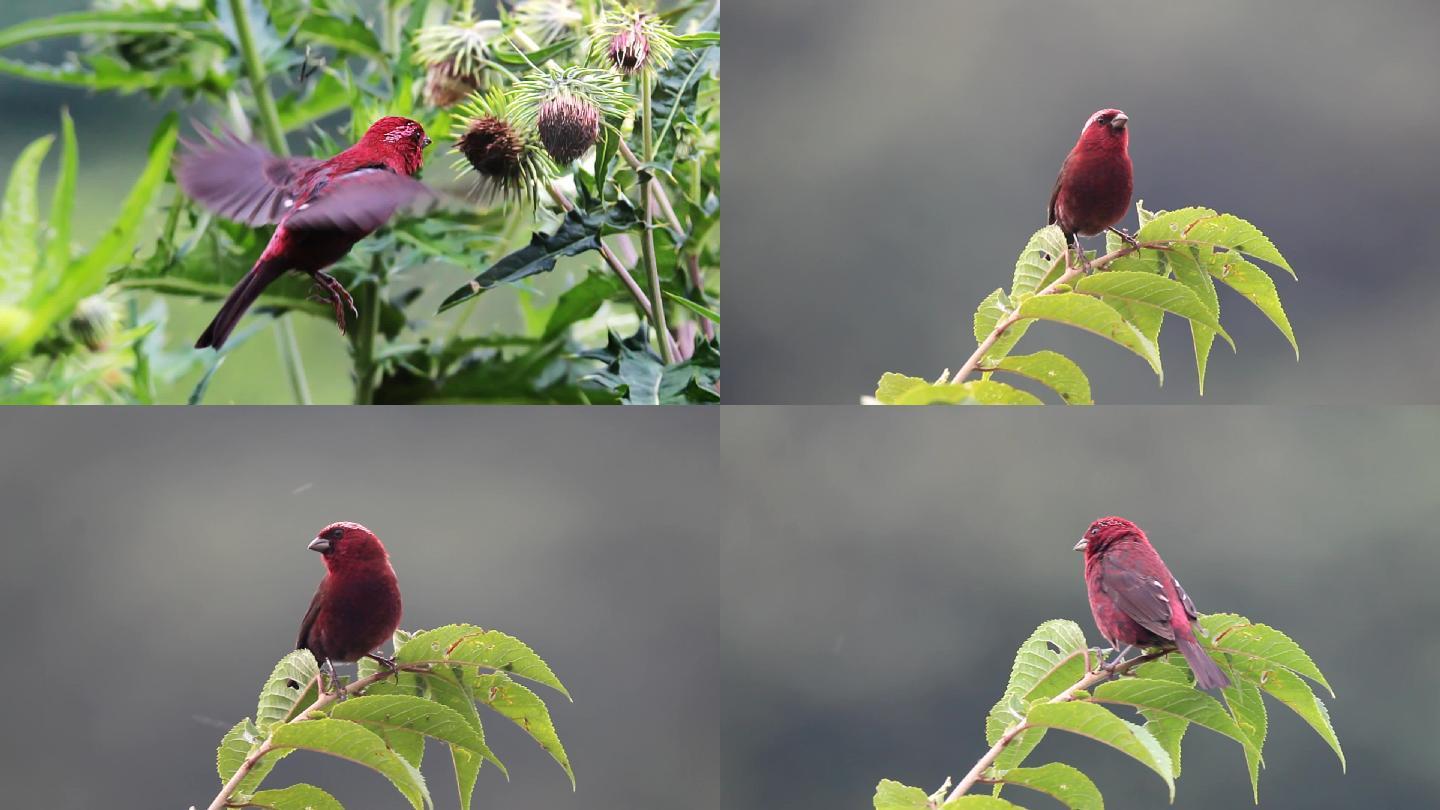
column 239, row 181
column 1139, row 593
column 361, row 201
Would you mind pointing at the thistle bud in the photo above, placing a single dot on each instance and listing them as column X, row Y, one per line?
column 630, row 48
column 454, row 56
column 568, row 127
column 92, row 323
column 632, row 41
column 548, row 20
column 447, row 84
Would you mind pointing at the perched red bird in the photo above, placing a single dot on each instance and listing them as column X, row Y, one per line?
column 323, row 207
column 1096, row 180
column 357, row 606
column 1135, row 599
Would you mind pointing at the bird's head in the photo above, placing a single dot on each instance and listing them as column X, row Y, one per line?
column 1107, row 128
column 346, row 543
column 399, row 141
column 1106, row 531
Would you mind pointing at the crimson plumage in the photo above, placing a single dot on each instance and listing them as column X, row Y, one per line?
column 357, row 606
column 1096, row 181
column 322, row 207
column 1135, row 599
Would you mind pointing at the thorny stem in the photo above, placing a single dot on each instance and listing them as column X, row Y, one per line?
column 977, row 773
column 222, row 799
column 1071, row 272
column 647, row 243
column 616, row 265
column 275, row 139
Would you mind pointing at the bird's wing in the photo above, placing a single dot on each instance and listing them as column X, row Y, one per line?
column 302, row 641
column 1185, row 601
column 1052, row 215
column 238, row 180
column 1140, row 594
column 360, row 201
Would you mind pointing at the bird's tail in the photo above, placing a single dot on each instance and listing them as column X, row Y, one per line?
column 1207, row 672
column 239, row 300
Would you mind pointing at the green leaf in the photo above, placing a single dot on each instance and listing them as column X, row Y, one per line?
column 477, row 647
column 446, row 685
column 1052, row 659
column 636, row 374
column 278, row 699
column 1182, row 701
column 1233, row 233
column 1052, row 369
column 1287, row 687
column 891, row 795
column 979, row 802
column 974, row 392
column 1095, row 316
column 57, row 250
column 700, row 39
column 235, row 747
column 526, row 710
column 354, row 742
column 1097, row 723
column 578, row 233
column 1153, row 291
column 295, row 797
column 581, row 301
column 1065, row 784
column 1187, row 271
column 1044, row 250
column 350, row 35
column 390, row 716
column 172, row 22
column 676, row 87
column 1171, row 225
column 1248, row 708
column 990, row 312
column 892, row 386
column 699, row 309
column 1263, row 643
column 20, row 215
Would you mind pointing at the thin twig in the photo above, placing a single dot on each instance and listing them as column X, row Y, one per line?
column 1091, row 679
column 1071, row 272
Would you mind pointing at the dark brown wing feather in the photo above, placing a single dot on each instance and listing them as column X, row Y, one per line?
column 361, row 201
column 303, row 640
column 1134, row 593
column 1051, row 216
column 240, row 181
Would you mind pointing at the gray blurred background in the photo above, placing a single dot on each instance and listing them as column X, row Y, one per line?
column 156, row 569
column 893, row 158
column 879, row 570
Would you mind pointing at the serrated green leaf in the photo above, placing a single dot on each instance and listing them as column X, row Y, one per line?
column 295, row 797
column 278, row 699
column 1049, row 661
column 1172, row 225
column 1264, row 643
column 1097, row 723
column 1187, row 271
column 1045, row 249
column 1233, row 233
column 475, row 646
column 235, row 747
column 387, row 715
column 352, row 741
column 1287, row 687
column 1248, row 708
column 1065, row 784
column 1169, row 731
column 20, row 216
column 1052, row 369
column 526, row 710
column 979, row 802
column 891, row 795
column 446, row 685
column 974, row 392
column 987, row 315
column 1097, row 317
column 1177, row 700
column 1152, row 291
column 892, row 386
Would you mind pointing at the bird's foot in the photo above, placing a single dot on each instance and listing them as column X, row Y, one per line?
column 1109, row 666
column 1084, row 262
column 391, row 668
column 335, row 294
column 336, row 687
column 1125, row 235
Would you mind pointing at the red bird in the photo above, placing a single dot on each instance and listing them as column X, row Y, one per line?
column 323, row 207
column 1135, row 599
column 357, row 606
column 1096, row 181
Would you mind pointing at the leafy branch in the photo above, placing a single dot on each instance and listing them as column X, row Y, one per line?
column 1058, row 683
column 1170, row 268
column 381, row 719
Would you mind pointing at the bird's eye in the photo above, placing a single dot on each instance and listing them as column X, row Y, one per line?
column 1094, row 532
column 334, row 534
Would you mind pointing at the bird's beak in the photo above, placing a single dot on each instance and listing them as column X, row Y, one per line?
column 1119, row 121
column 427, row 142
column 319, row 544
column 1080, row 546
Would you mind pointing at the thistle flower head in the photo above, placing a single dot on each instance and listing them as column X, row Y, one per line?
column 632, row 41
column 455, row 55
column 561, row 89
column 502, row 151
column 548, row 20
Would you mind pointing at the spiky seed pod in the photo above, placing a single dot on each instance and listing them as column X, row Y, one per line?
column 92, row 323
column 632, row 41
column 548, row 20
column 454, row 56
column 446, row 84
column 503, row 152
column 568, row 127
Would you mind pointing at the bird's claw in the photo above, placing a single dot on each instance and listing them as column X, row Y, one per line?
column 1125, row 235
column 337, row 296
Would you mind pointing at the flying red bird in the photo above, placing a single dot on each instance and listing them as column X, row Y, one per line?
column 1135, row 599
column 1096, row 181
column 323, row 207
column 357, row 606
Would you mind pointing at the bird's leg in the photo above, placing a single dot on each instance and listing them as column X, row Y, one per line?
column 329, row 669
column 1080, row 251
column 1125, row 235
column 1109, row 666
column 337, row 295
column 391, row 668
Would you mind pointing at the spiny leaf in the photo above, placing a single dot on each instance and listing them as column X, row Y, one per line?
column 1154, row 291
column 20, row 215
column 1052, row 369
column 1065, row 784
column 1095, row 316
column 352, row 741
column 1097, row 723
column 295, row 797
column 1044, row 250
column 526, row 710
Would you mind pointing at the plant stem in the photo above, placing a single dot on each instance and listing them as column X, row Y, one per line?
column 365, row 334
column 1090, row 679
column 1070, row 274
column 274, row 138
column 647, row 243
